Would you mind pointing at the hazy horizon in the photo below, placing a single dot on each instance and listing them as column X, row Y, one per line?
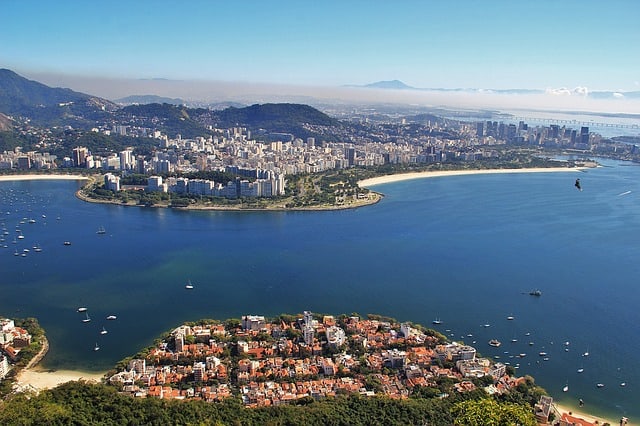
column 205, row 50
column 247, row 92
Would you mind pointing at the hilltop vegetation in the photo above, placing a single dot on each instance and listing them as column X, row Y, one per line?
column 81, row 403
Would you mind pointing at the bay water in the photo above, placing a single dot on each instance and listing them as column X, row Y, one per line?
column 467, row 250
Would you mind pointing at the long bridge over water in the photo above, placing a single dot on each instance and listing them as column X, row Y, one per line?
column 580, row 123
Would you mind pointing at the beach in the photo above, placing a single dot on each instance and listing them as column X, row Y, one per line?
column 38, row 380
column 5, row 178
column 431, row 174
column 588, row 418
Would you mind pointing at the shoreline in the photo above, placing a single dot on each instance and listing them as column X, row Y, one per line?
column 8, row 178
column 561, row 409
column 37, row 379
column 379, row 180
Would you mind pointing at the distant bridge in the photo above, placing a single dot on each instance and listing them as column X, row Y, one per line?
column 578, row 122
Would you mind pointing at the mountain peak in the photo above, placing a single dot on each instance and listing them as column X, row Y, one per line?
column 388, row 84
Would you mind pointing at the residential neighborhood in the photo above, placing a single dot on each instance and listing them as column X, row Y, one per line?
column 273, row 362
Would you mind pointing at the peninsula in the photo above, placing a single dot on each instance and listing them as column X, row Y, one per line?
column 310, row 361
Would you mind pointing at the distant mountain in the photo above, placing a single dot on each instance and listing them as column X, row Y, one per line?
column 149, row 99
column 390, row 84
column 47, row 105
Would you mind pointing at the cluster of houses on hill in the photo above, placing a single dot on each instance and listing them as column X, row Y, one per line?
column 12, row 340
column 275, row 362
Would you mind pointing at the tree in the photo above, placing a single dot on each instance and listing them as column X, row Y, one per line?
column 488, row 412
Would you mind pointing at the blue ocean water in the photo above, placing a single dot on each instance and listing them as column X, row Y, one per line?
column 465, row 249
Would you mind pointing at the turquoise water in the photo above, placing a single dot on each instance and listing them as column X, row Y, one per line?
column 465, row 249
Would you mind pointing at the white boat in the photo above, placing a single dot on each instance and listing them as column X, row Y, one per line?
column 103, row 331
column 623, row 384
column 111, row 317
column 86, row 319
column 96, row 347
column 599, row 385
column 580, row 370
column 82, row 309
column 566, row 387
column 494, row 342
column 101, row 230
column 542, row 354
column 510, row 317
column 189, row 286
column 437, row 321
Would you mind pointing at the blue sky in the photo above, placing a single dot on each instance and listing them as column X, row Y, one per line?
column 449, row 44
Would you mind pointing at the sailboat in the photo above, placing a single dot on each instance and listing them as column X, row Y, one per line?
column 103, row 331
column 96, row 347
column 87, row 319
column 566, row 387
column 101, row 230
column 437, row 321
column 189, row 286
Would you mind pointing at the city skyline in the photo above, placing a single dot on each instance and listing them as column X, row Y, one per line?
column 561, row 47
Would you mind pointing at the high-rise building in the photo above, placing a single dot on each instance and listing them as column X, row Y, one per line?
column 584, row 135
column 79, row 156
column 480, row 129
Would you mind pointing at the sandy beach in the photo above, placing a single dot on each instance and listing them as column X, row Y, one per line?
column 590, row 419
column 44, row 379
column 419, row 175
column 5, row 178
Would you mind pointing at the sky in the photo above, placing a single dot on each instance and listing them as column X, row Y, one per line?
column 553, row 45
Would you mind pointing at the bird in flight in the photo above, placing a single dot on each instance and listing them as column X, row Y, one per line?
column 577, row 184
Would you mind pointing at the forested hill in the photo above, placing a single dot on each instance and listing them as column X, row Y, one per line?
column 300, row 120
column 48, row 105
column 268, row 115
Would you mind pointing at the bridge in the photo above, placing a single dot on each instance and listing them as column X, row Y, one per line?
column 579, row 123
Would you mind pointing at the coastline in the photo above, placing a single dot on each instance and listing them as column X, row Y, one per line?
column 38, row 379
column 34, row 378
column 561, row 409
column 379, row 180
column 7, row 178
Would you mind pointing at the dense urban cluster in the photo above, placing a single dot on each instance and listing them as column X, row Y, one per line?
column 275, row 362
column 261, row 164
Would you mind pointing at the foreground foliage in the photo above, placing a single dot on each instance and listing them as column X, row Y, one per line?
column 81, row 403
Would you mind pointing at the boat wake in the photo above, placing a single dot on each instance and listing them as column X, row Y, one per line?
column 624, row 193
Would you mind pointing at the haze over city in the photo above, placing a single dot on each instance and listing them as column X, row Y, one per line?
column 214, row 50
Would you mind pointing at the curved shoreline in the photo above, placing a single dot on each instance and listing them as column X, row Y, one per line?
column 34, row 378
column 379, row 180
